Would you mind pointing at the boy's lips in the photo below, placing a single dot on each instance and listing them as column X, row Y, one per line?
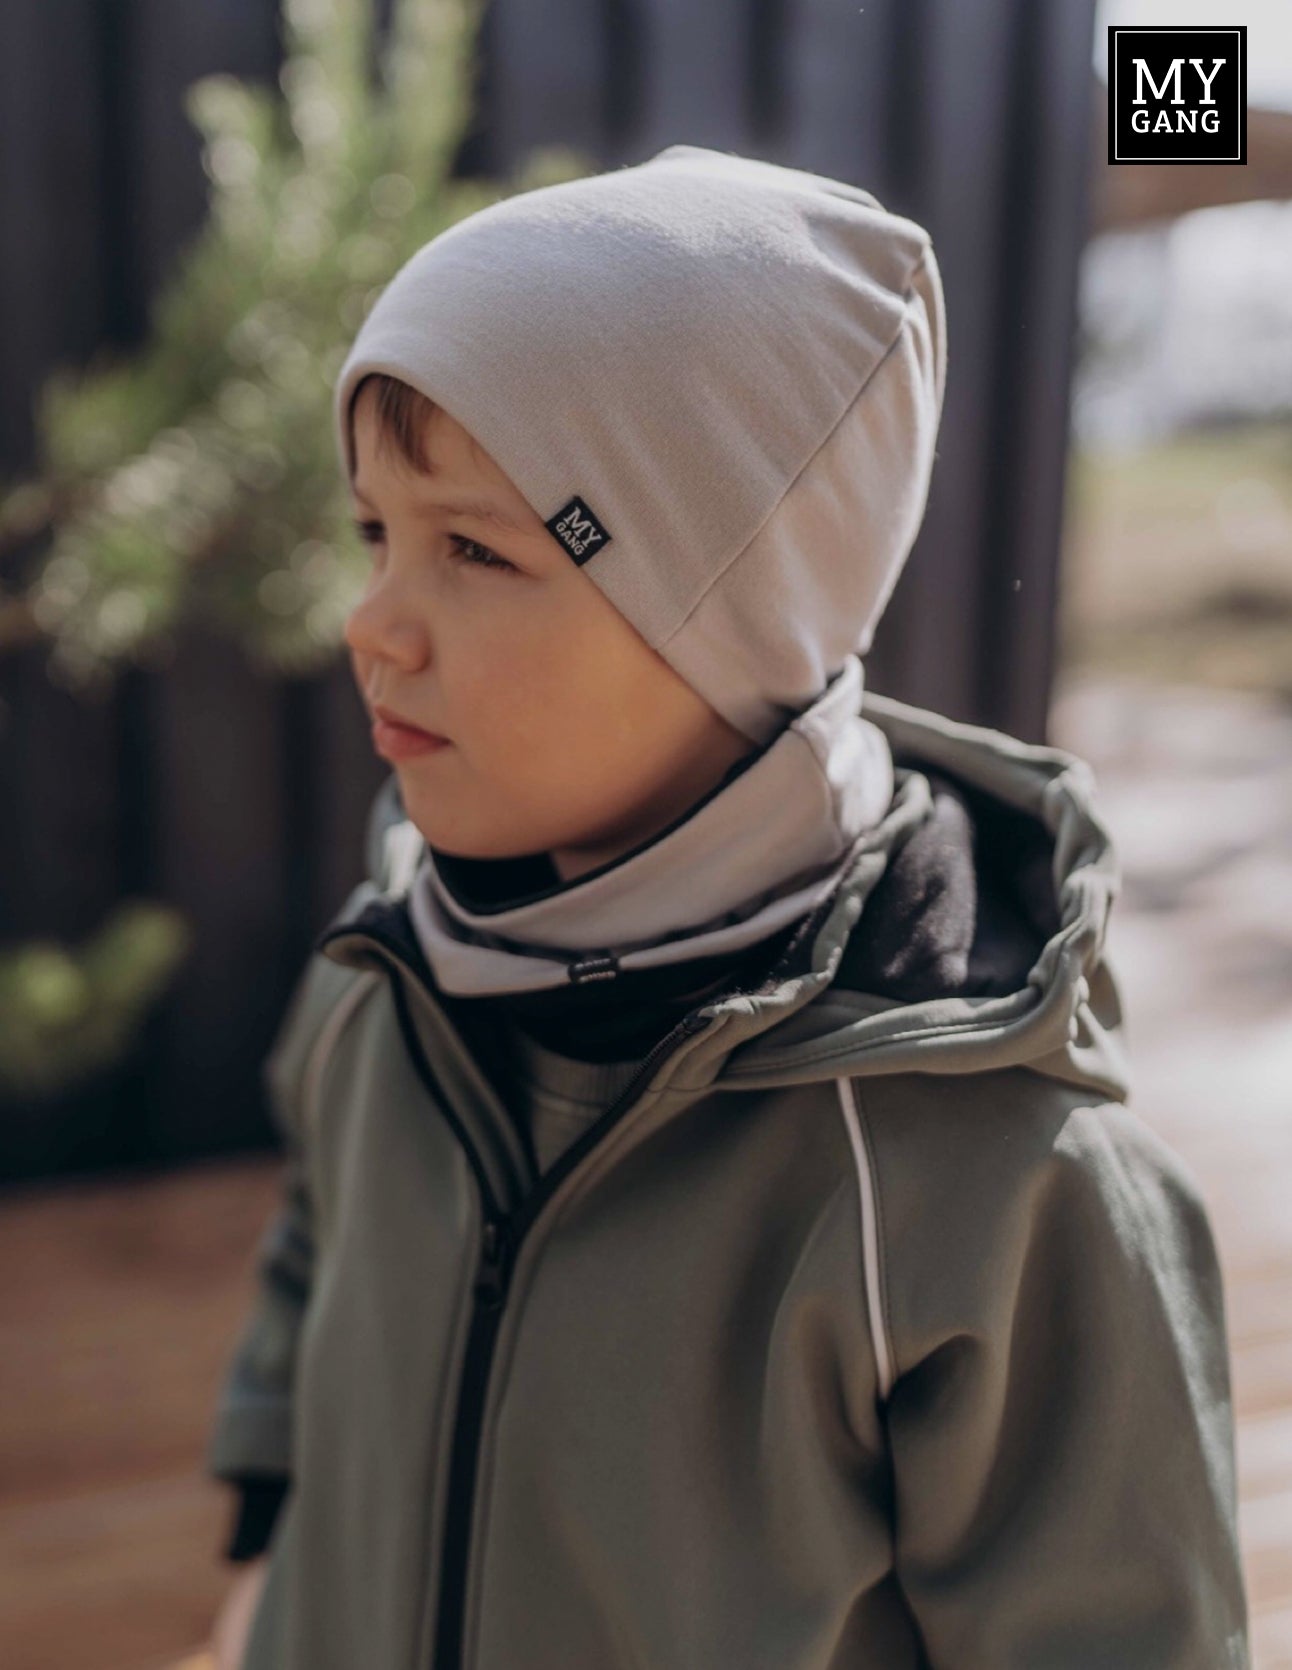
column 398, row 739
column 388, row 714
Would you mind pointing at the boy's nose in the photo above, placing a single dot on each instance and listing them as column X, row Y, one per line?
column 376, row 626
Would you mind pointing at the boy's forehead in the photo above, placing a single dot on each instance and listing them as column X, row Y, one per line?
column 448, row 501
column 456, row 478
column 446, row 449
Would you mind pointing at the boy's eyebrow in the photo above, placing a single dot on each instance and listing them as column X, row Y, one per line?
column 483, row 510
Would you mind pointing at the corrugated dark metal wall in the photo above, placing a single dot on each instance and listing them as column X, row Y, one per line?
column 241, row 799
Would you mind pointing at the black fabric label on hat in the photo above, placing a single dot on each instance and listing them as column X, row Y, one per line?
column 578, row 530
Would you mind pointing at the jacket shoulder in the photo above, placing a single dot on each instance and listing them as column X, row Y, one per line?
column 326, row 993
column 981, row 1178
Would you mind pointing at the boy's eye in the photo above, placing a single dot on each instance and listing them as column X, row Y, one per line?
column 478, row 555
column 470, row 551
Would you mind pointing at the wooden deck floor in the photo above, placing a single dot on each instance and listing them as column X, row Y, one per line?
column 117, row 1307
column 1197, row 789
column 119, row 1299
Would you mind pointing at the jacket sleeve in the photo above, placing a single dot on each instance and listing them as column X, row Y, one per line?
column 1060, row 1419
column 252, row 1430
column 250, row 1446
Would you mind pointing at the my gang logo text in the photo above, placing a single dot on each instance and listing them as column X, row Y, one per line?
column 578, row 530
column 1177, row 95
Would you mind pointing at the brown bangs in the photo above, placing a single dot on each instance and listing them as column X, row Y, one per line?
column 402, row 415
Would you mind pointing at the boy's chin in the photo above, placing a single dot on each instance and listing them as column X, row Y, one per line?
column 455, row 841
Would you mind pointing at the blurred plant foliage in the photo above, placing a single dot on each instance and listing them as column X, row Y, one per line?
column 198, row 476
column 66, row 1014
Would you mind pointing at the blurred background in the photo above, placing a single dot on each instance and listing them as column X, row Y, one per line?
column 199, row 200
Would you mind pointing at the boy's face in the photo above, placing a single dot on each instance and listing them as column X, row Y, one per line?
column 565, row 731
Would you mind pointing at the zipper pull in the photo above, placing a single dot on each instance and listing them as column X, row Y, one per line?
column 495, row 1264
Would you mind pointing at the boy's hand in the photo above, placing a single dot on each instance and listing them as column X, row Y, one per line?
column 233, row 1621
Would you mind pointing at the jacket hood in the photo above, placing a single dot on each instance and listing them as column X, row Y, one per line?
column 971, row 934
column 966, row 934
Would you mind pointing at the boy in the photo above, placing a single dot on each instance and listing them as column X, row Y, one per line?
column 715, row 1235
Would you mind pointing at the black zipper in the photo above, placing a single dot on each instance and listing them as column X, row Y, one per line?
column 500, row 1240
column 501, row 1235
column 492, row 1277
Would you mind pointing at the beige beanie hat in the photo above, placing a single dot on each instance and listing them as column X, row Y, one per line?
column 717, row 380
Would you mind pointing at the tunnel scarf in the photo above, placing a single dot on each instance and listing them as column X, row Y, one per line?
column 750, row 858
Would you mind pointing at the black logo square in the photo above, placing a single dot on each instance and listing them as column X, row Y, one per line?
column 1177, row 95
column 578, row 530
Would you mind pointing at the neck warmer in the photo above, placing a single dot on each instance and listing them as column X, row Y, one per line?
column 747, row 861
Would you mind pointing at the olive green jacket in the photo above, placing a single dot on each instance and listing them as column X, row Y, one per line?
column 869, row 1329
